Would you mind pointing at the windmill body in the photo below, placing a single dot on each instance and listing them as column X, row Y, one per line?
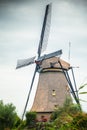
column 52, row 88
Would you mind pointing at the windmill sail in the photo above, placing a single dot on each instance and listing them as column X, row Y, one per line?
column 29, row 93
column 56, row 53
column 41, row 48
column 25, row 62
column 45, row 30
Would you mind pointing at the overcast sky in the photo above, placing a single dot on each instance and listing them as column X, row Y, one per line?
column 20, row 27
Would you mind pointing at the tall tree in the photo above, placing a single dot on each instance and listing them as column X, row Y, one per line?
column 7, row 115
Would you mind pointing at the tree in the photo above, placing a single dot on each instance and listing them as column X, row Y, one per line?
column 7, row 115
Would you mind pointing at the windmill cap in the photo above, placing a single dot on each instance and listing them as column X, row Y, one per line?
column 55, row 62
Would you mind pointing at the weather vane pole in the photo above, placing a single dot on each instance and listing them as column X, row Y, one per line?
column 69, row 51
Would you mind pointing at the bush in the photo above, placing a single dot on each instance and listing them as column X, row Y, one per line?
column 18, row 122
column 22, row 125
column 80, row 121
column 7, row 115
column 63, row 120
column 30, row 119
column 67, row 107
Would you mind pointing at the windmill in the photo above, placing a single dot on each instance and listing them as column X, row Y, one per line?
column 41, row 48
column 56, row 65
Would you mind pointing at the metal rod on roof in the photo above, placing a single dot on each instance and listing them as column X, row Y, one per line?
column 69, row 51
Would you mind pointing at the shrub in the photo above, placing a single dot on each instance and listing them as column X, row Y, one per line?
column 30, row 119
column 22, row 125
column 7, row 115
column 18, row 121
column 62, row 120
column 67, row 107
column 74, row 109
column 80, row 121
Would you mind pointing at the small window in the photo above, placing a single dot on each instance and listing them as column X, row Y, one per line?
column 55, row 107
column 53, row 93
column 67, row 88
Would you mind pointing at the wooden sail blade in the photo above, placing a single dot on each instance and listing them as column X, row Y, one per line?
column 28, row 97
column 45, row 30
column 56, row 53
column 24, row 62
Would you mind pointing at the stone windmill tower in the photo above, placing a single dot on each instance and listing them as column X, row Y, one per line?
column 53, row 82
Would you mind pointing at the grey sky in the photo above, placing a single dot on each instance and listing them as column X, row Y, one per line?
column 20, row 27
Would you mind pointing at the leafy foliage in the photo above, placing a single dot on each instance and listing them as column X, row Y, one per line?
column 63, row 116
column 22, row 125
column 82, row 86
column 62, row 120
column 18, row 122
column 80, row 121
column 7, row 115
column 30, row 119
column 67, row 117
column 68, row 107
